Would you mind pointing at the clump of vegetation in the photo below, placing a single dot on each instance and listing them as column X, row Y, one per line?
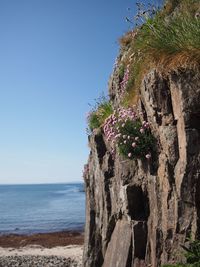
column 121, row 72
column 136, row 140
column 178, row 265
column 183, row 6
column 167, row 38
column 176, row 39
column 126, row 40
column 132, row 137
column 124, row 81
column 135, row 76
column 192, row 255
column 99, row 113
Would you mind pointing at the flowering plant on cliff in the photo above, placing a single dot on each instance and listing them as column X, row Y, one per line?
column 124, row 82
column 125, row 130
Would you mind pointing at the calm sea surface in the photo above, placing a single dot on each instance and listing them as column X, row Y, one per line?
column 41, row 208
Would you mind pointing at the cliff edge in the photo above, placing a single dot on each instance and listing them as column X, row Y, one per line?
column 140, row 211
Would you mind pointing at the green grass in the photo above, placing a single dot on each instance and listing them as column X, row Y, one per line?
column 192, row 255
column 121, row 71
column 102, row 110
column 182, row 265
column 172, row 39
column 133, row 84
column 190, row 6
column 163, row 39
column 178, row 265
column 168, row 39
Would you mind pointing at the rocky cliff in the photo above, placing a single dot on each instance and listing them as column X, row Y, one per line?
column 139, row 212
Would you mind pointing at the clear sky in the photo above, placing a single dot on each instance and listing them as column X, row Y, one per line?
column 55, row 57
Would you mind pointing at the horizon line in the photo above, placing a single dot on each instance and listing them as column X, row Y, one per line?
column 43, row 183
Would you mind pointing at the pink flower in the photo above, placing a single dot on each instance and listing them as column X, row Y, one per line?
column 124, row 141
column 142, row 130
column 134, row 144
column 136, row 138
column 129, row 155
column 148, row 156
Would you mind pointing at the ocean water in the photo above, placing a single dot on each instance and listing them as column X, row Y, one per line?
column 27, row 209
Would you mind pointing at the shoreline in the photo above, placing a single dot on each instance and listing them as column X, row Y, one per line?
column 71, row 251
column 46, row 240
column 34, row 256
column 63, row 249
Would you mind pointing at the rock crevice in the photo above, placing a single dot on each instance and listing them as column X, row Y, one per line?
column 139, row 212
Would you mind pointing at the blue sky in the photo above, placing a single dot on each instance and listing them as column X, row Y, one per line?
column 55, row 57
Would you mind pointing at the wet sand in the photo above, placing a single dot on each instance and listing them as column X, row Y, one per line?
column 62, row 249
column 47, row 240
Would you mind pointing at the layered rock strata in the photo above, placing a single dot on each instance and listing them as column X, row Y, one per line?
column 139, row 212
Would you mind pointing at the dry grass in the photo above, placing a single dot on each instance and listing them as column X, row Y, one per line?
column 181, row 60
column 190, row 6
column 126, row 39
column 168, row 41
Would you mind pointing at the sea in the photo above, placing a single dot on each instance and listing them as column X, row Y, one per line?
column 41, row 208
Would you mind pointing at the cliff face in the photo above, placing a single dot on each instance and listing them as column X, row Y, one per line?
column 139, row 212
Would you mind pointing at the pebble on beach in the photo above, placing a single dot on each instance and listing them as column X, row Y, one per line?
column 38, row 261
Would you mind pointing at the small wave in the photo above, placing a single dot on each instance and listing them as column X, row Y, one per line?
column 54, row 207
column 72, row 190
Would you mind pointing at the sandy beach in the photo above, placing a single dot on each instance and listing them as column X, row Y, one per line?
column 63, row 249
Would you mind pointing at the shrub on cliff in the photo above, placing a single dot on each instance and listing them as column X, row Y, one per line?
column 99, row 113
column 192, row 255
column 132, row 137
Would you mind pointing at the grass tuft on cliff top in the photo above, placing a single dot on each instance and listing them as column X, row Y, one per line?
column 171, row 40
column 171, row 33
column 167, row 38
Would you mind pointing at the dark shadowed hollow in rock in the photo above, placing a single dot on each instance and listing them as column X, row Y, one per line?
column 138, row 203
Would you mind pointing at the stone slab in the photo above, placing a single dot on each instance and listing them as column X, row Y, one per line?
column 118, row 248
